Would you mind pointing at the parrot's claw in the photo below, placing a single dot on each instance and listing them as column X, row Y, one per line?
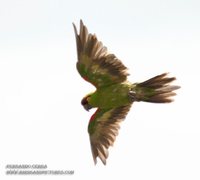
column 132, row 95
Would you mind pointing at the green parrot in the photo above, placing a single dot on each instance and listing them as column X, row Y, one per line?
column 114, row 94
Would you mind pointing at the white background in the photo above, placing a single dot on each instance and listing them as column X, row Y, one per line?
column 41, row 119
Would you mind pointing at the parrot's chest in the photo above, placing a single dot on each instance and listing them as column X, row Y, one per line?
column 111, row 96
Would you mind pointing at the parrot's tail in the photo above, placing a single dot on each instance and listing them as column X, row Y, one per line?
column 156, row 89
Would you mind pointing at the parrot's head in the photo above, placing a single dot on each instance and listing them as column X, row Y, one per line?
column 85, row 102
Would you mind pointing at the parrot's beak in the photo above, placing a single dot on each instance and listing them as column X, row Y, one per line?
column 87, row 107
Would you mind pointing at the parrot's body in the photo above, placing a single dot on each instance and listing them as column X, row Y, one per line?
column 118, row 95
column 114, row 94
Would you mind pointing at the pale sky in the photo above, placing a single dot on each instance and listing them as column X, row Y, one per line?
column 41, row 118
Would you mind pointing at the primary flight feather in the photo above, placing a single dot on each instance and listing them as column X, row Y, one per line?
column 114, row 94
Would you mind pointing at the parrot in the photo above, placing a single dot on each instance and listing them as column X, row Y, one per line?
column 114, row 94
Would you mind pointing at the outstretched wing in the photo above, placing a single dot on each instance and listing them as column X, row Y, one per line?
column 95, row 64
column 103, row 129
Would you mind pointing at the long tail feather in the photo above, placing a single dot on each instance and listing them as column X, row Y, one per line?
column 156, row 89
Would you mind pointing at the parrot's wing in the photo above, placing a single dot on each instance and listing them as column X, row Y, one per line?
column 95, row 64
column 103, row 129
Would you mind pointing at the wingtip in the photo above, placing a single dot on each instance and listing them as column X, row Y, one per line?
column 81, row 22
column 95, row 162
column 94, row 159
column 104, row 163
column 75, row 30
column 102, row 160
column 82, row 27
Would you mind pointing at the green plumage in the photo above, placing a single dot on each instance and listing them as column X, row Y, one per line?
column 111, row 96
column 114, row 94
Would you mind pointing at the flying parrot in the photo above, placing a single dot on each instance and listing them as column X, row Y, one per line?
column 114, row 94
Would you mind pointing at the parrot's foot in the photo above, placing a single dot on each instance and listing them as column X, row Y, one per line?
column 132, row 95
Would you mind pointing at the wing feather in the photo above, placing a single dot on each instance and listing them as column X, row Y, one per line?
column 103, row 129
column 95, row 64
